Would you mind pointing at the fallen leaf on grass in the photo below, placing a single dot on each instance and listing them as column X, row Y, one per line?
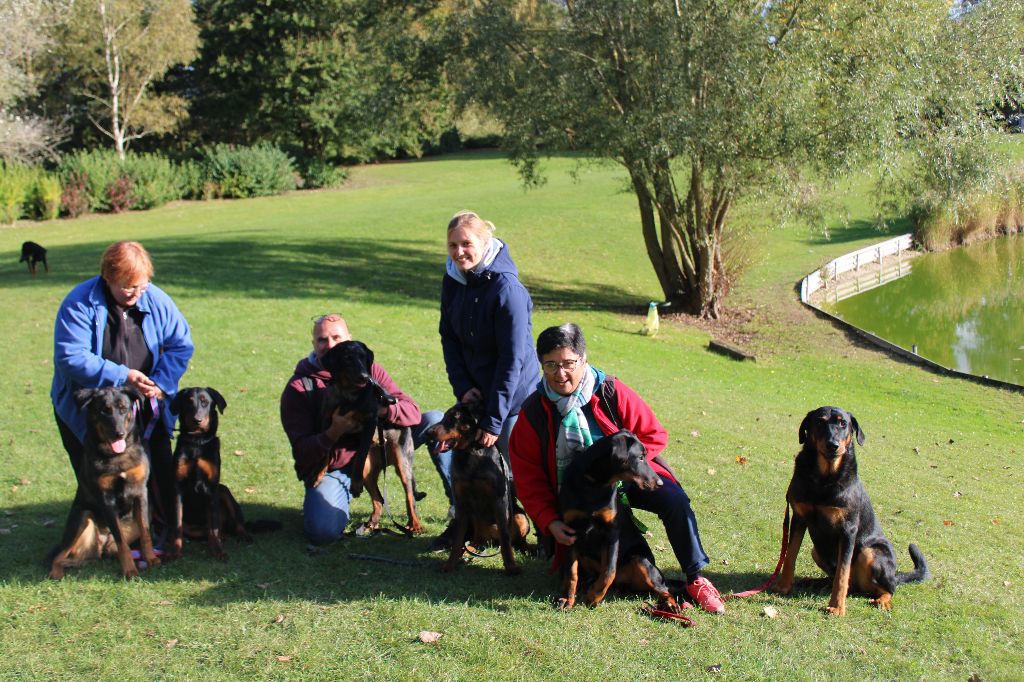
column 958, row 494
column 279, row 619
column 770, row 612
column 695, row 434
column 170, row 643
column 741, row 460
column 5, row 531
column 283, row 659
column 244, row 389
column 975, row 677
column 164, row 602
column 25, row 481
column 1006, row 583
column 239, row 453
column 263, row 586
column 996, row 522
column 660, row 548
column 428, row 637
column 250, row 489
column 711, row 472
column 716, row 668
column 947, row 522
column 644, row 642
column 36, row 608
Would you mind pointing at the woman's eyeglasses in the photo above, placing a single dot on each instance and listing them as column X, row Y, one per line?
column 137, row 289
column 550, row 366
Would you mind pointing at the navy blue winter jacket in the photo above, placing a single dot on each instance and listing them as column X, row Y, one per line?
column 487, row 338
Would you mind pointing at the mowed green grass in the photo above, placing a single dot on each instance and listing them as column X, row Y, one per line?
column 942, row 460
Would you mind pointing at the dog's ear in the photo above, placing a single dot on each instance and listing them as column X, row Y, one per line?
column 178, row 402
column 369, row 355
column 856, row 429
column 805, row 425
column 84, row 396
column 218, row 399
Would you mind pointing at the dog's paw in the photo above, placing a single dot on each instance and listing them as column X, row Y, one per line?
column 153, row 561
column 884, row 602
column 784, row 590
column 56, row 573
column 513, row 569
column 564, row 603
column 836, row 610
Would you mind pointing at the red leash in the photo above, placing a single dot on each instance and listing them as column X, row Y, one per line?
column 654, row 612
column 778, row 567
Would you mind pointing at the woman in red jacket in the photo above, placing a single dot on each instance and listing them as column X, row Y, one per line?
column 574, row 405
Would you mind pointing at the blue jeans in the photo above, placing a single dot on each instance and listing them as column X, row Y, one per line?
column 672, row 505
column 325, row 508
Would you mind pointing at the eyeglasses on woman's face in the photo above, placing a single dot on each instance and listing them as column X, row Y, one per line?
column 134, row 289
column 551, row 366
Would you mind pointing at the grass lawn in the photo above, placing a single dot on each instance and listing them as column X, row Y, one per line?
column 942, row 461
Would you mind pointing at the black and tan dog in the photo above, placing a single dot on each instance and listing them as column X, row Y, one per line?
column 32, row 253
column 609, row 549
column 486, row 509
column 353, row 389
column 204, row 507
column 830, row 503
column 111, row 506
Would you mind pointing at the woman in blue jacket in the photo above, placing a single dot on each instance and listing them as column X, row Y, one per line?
column 486, row 333
column 118, row 329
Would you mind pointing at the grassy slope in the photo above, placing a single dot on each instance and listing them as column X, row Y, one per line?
column 248, row 275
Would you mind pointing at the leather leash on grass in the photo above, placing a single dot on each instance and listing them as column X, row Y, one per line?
column 778, row 567
column 660, row 614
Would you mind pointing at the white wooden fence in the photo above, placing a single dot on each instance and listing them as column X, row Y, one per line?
column 828, row 276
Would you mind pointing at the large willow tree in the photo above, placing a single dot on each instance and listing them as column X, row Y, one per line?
column 702, row 101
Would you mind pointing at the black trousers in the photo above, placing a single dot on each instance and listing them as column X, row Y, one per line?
column 161, row 467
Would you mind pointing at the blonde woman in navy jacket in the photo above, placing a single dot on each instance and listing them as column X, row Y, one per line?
column 486, row 332
column 119, row 329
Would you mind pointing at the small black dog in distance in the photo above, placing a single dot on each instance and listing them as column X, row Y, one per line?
column 609, row 549
column 111, row 505
column 32, row 253
column 830, row 503
column 203, row 506
column 486, row 509
column 353, row 389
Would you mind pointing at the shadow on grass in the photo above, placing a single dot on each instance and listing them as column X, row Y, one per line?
column 859, row 230
column 277, row 566
column 366, row 269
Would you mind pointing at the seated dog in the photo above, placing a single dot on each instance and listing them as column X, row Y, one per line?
column 33, row 253
column 609, row 549
column 111, row 506
column 203, row 506
column 829, row 501
column 353, row 389
column 486, row 509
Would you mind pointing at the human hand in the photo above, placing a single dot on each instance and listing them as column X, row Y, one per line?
column 472, row 396
column 142, row 384
column 562, row 532
column 343, row 423
column 485, row 438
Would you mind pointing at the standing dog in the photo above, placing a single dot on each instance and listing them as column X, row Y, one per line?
column 203, row 504
column 353, row 389
column 486, row 509
column 830, row 503
column 111, row 506
column 33, row 253
column 609, row 549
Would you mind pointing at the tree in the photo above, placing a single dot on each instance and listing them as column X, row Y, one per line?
column 117, row 50
column 706, row 101
column 339, row 79
column 26, row 31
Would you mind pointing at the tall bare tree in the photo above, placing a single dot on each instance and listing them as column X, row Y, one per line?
column 118, row 50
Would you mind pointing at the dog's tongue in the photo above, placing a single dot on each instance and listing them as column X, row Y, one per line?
column 118, row 446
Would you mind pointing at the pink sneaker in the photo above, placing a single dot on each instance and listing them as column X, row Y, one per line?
column 707, row 597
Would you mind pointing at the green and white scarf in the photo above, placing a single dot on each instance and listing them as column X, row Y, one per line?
column 574, row 433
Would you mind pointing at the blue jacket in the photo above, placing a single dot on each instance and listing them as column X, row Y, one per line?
column 487, row 338
column 78, row 345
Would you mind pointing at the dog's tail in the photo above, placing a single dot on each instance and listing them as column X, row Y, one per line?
column 262, row 526
column 920, row 571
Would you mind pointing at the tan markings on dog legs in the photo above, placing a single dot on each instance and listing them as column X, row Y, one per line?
column 395, row 457
column 840, row 586
column 863, row 579
column 181, row 471
column 124, row 554
column 371, row 472
column 211, row 472
column 797, row 527
column 572, row 581
column 604, row 580
column 84, row 547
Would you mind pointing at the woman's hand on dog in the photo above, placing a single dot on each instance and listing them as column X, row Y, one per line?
column 562, row 532
column 143, row 385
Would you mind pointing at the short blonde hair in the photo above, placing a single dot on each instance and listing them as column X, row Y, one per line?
column 125, row 261
column 472, row 221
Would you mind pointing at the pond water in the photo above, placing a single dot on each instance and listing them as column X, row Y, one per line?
column 963, row 309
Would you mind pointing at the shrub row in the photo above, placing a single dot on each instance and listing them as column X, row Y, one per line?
column 99, row 180
column 943, row 223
